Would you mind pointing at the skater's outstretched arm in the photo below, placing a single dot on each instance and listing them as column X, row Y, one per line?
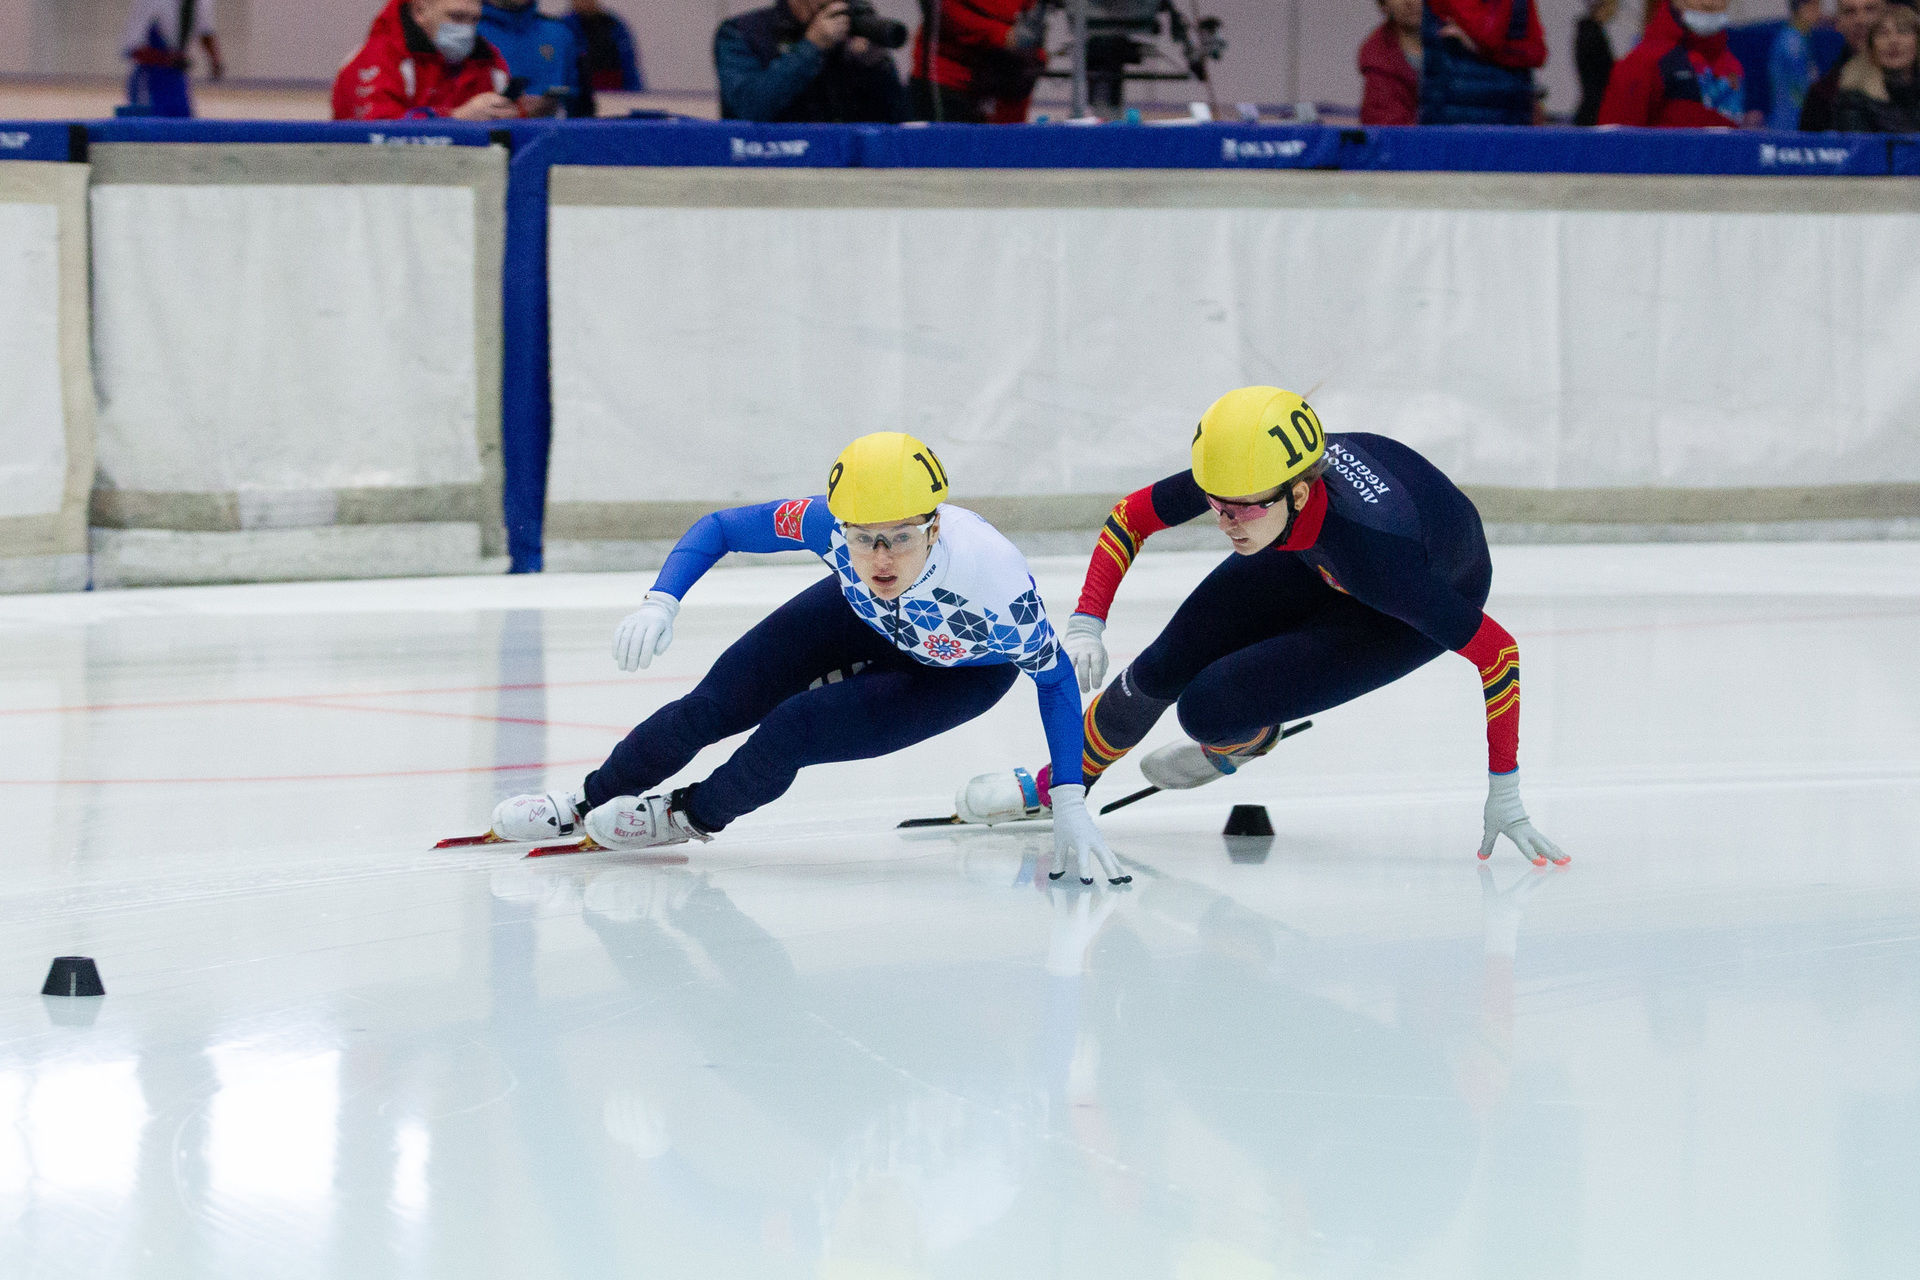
column 1396, row 577
column 1030, row 644
column 1137, row 517
column 796, row 524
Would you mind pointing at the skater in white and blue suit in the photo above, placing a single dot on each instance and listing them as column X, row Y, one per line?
column 928, row 617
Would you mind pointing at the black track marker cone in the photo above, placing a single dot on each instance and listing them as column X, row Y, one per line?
column 73, row 976
column 1248, row 820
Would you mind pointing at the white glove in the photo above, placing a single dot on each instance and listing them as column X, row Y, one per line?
column 1506, row 816
column 1086, row 650
column 1075, row 834
column 646, row 632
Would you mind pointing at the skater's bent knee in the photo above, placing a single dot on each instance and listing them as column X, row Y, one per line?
column 1208, row 717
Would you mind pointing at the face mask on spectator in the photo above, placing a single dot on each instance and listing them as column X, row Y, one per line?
column 1705, row 24
column 455, row 40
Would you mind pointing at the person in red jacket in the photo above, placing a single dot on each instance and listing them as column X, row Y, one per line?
column 1390, row 66
column 424, row 58
column 976, row 61
column 1681, row 75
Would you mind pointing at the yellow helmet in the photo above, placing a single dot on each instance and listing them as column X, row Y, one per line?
column 1255, row 439
column 883, row 478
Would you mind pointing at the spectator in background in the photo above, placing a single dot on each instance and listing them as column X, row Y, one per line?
column 1593, row 58
column 1681, row 75
column 976, row 61
column 1790, row 68
column 609, row 59
column 159, row 40
column 1854, row 19
column 424, row 58
column 539, row 51
column 796, row 60
column 1880, row 86
column 1477, row 61
column 1390, row 66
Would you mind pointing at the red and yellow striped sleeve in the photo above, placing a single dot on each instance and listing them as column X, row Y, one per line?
column 1497, row 655
column 1128, row 525
column 1140, row 515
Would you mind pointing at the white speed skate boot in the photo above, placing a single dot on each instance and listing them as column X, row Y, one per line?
column 643, row 822
column 1182, row 766
column 1011, row 795
column 554, row 815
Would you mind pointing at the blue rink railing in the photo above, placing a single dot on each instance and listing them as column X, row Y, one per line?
column 537, row 146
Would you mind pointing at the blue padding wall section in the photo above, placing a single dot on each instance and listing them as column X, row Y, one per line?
column 39, row 140
column 526, row 398
column 988, row 146
column 1743, row 153
column 425, row 133
column 1903, row 157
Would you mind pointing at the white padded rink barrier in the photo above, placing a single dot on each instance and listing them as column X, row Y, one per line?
column 1579, row 351
column 46, row 401
column 297, row 350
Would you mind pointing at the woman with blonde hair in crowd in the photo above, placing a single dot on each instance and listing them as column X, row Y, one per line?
column 1880, row 85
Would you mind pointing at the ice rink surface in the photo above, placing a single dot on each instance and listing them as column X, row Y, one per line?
column 821, row 1048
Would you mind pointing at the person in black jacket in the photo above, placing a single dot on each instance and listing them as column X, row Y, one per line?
column 1853, row 19
column 796, row 61
column 1593, row 58
column 1879, row 87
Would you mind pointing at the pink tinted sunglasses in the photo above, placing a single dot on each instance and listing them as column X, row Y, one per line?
column 1240, row 512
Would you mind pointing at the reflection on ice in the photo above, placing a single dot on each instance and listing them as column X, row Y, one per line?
column 272, row 1128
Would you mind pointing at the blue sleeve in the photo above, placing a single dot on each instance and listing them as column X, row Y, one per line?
column 1781, row 75
column 750, row 90
column 798, row 524
column 567, row 59
column 1060, row 715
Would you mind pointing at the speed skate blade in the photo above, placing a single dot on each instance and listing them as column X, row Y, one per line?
column 461, row 842
column 586, row 844
column 951, row 820
column 1124, row 801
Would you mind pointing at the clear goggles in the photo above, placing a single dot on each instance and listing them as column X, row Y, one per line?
column 899, row 541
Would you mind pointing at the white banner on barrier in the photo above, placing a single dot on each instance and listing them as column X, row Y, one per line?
column 727, row 354
column 33, row 427
column 291, row 338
